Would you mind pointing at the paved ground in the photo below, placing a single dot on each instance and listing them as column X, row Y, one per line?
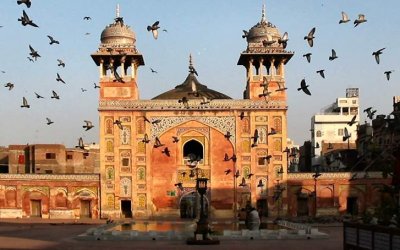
column 61, row 234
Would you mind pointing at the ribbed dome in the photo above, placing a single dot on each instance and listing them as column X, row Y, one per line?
column 263, row 31
column 118, row 34
column 185, row 90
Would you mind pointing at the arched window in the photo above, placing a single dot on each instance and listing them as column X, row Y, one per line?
column 319, row 133
column 195, row 148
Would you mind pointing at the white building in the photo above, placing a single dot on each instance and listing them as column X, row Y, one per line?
column 329, row 125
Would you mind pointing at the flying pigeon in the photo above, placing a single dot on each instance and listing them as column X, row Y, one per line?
column 243, row 183
column 227, row 171
column 145, row 139
column 25, row 103
column 245, row 33
column 119, row 124
column 25, row 20
column 333, row 56
column 360, row 19
column 59, row 79
column 158, row 143
column 55, row 96
column 96, row 86
column 280, row 87
column 49, row 121
column 179, row 185
column 88, row 125
column 34, row 54
column 26, row 2
column 60, row 63
column 353, row 121
column 370, row 112
column 376, row 54
column 310, row 37
column 38, row 96
column 184, row 101
column 346, row 135
column 52, row 40
column 30, row 59
column 153, row 71
column 272, row 132
column 255, row 138
column 87, row 18
column 9, row 85
column 345, row 18
column 83, row 90
column 175, row 139
column 321, row 73
column 80, row 143
column 308, row 56
column 166, row 151
column 241, row 115
column 284, row 39
column 154, row 29
column 146, row 119
column 387, row 73
column 304, row 87
column 227, row 135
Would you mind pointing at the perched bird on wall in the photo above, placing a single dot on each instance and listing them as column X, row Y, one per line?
column 184, row 101
column 353, row 121
column 26, row 2
column 60, row 63
column 145, row 138
column 34, row 54
column 204, row 100
column 118, row 78
column 25, row 103
column 59, row 79
column 154, row 29
column 38, row 96
column 308, row 57
column 55, row 96
column 255, row 138
column 304, row 87
column 387, row 73
column 166, row 151
column 119, row 124
column 376, row 54
column 25, row 20
column 267, row 43
column 158, row 143
column 359, row 20
column 49, row 121
column 194, row 91
column 175, row 139
column 345, row 18
column 321, row 73
column 284, row 39
column 333, row 55
column 310, row 37
column 9, row 85
column 272, row 132
column 88, row 125
column 53, row 41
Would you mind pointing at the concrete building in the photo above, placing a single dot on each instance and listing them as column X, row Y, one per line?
column 328, row 128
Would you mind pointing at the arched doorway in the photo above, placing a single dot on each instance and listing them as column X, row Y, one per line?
column 190, row 207
column 193, row 150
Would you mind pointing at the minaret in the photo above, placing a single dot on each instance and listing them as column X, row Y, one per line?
column 118, row 61
column 264, row 60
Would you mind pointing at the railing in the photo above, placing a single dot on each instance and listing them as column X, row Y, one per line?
column 296, row 226
column 363, row 236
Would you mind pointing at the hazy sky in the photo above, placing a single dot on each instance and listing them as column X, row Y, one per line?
column 209, row 29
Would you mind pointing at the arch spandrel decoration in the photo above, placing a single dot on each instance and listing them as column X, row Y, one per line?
column 222, row 124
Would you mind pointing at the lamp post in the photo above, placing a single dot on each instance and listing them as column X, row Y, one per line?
column 287, row 151
column 277, row 196
column 315, row 176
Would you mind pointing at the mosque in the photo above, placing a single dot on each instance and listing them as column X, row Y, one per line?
column 152, row 151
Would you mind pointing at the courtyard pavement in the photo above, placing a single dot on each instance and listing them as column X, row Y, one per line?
column 62, row 234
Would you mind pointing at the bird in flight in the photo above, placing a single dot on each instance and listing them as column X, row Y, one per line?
column 87, row 18
column 184, row 101
column 228, row 135
column 280, row 87
column 52, row 40
column 153, row 71
column 166, row 151
column 227, row 171
column 158, row 143
column 9, row 85
column 88, row 125
column 353, row 121
column 34, row 53
column 165, row 30
column 376, row 54
column 38, row 96
column 96, row 86
column 26, row 2
column 310, row 37
column 59, row 79
column 304, row 87
column 333, row 55
column 272, row 132
column 83, row 90
column 154, row 29
column 118, row 78
column 60, row 63
column 359, row 20
column 145, row 138
column 119, row 124
column 308, row 56
column 49, row 121
column 245, row 33
column 237, row 174
column 284, row 39
column 345, row 18
column 55, row 96
column 25, row 103
column 25, row 20
column 80, row 143
column 370, row 112
column 387, row 73
column 179, row 184
column 30, row 59
column 241, row 116
column 175, row 139
column 346, row 135
column 321, row 73
column 255, row 138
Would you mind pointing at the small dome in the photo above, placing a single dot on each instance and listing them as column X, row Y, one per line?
column 263, row 31
column 118, row 34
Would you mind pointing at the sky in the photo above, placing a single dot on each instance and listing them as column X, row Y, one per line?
column 209, row 30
